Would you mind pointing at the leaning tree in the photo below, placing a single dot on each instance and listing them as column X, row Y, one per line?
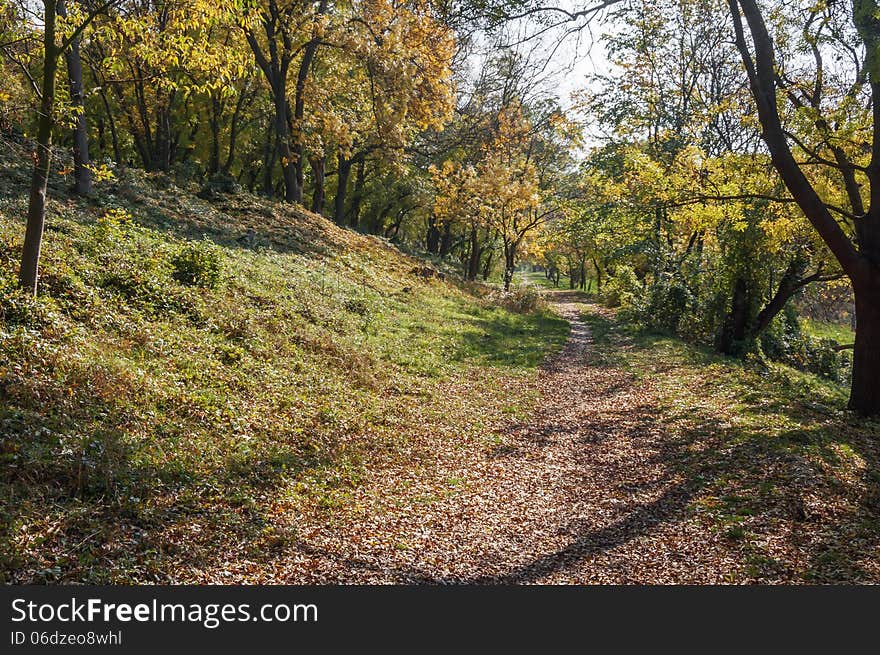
column 814, row 72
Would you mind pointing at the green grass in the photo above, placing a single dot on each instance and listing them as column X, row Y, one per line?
column 539, row 279
column 774, row 463
column 842, row 334
column 163, row 394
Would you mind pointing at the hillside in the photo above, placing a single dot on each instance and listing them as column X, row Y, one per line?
column 234, row 390
column 196, row 378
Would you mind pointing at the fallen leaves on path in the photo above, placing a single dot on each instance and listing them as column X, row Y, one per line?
column 580, row 492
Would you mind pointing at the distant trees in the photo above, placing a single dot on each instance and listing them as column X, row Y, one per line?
column 680, row 209
column 252, row 92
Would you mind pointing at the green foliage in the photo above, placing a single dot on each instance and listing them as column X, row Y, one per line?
column 198, row 264
column 784, row 341
column 783, row 336
column 667, row 301
column 623, row 289
column 19, row 308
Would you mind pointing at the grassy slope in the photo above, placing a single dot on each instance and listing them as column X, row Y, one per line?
column 842, row 334
column 772, row 459
column 148, row 425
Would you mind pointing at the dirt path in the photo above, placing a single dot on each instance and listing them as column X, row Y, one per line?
column 584, row 491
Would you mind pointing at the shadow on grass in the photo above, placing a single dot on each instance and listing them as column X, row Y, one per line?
column 79, row 502
column 792, row 495
column 510, row 340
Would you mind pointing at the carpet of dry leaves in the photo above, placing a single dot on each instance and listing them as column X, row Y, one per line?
column 590, row 488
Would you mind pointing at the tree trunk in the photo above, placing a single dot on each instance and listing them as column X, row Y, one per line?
column 305, row 66
column 36, row 217
column 317, row 164
column 789, row 285
column 245, row 99
column 216, row 115
column 509, row 264
column 269, row 161
column 117, row 157
column 445, row 240
column 343, row 172
column 81, row 174
column 164, row 138
column 292, row 192
column 474, row 260
column 865, row 391
column 432, row 241
column 487, row 266
column 733, row 332
column 358, row 196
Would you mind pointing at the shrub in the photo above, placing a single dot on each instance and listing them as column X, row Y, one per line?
column 18, row 307
column 783, row 337
column 784, row 342
column 622, row 290
column 666, row 303
column 218, row 185
column 198, row 264
column 522, row 300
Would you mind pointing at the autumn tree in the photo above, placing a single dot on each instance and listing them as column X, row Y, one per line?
column 815, row 114
column 59, row 36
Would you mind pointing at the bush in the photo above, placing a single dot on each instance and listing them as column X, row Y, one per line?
column 144, row 288
column 667, row 302
column 622, row 290
column 784, row 342
column 218, row 185
column 198, row 264
column 783, row 337
column 18, row 307
column 522, row 300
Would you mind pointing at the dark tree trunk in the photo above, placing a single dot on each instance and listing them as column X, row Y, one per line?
column 733, row 332
column 598, row 276
column 81, row 174
column 111, row 122
column 302, row 75
column 269, row 152
column 36, row 217
column 216, row 114
column 865, row 391
column 244, row 99
column 317, row 164
column 292, row 190
column 358, row 196
column 445, row 239
column 473, row 267
column 789, row 285
column 164, row 137
column 487, row 266
column 509, row 264
column 432, row 241
column 343, row 172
